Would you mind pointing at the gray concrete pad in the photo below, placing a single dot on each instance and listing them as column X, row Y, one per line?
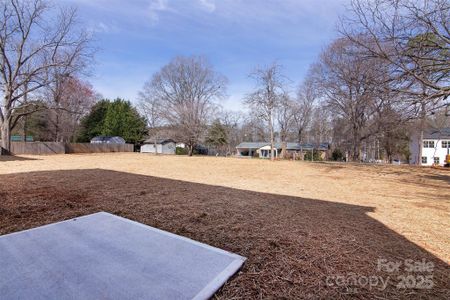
column 103, row 256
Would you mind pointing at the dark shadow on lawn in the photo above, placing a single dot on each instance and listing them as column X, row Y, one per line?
column 296, row 247
column 444, row 178
column 431, row 179
column 15, row 158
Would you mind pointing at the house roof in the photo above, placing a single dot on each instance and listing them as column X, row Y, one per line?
column 159, row 141
column 289, row 146
column 108, row 139
column 437, row 134
column 252, row 145
column 294, row 146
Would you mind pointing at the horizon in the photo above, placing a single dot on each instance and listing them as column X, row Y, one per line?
column 142, row 36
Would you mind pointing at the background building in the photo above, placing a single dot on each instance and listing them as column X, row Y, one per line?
column 435, row 146
column 163, row 146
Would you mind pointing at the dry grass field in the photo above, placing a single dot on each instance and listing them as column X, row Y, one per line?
column 299, row 224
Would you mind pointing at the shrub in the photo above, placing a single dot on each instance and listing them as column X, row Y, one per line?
column 316, row 156
column 181, row 151
column 337, row 155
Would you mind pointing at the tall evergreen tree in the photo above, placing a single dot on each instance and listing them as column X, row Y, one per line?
column 116, row 118
column 217, row 135
column 92, row 124
column 122, row 119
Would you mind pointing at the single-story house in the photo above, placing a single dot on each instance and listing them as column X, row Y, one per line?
column 262, row 149
column 435, row 147
column 163, row 146
column 107, row 140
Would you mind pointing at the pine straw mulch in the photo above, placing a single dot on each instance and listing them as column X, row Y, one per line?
column 292, row 244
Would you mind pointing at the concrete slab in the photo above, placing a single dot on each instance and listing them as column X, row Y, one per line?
column 103, row 256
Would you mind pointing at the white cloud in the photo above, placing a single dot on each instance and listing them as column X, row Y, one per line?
column 102, row 27
column 155, row 8
column 208, row 5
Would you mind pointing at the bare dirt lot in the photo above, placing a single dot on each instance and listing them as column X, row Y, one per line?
column 304, row 227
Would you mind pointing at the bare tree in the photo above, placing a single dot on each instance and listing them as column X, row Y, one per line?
column 349, row 83
column 254, row 129
column 35, row 42
column 151, row 108
column 231, row 120
column 188, row 90
column 320, row 129
column 412, row 36
column 265, row 100
column 304, row 104
column 69, row 100
column 285, row 115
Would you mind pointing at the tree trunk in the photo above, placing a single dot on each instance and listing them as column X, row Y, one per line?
column 25, row 129
column 356, row 155
column 57, row 127
column 155, row 141
column 25, row 100
column 422, row 128
column 271, row 138
column 284, row 149
column 190, row 150
column 6, row 135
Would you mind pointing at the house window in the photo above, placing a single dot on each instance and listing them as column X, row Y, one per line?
column 424, row 159
column 428, row 144
column 436, row 160
column 445, row 144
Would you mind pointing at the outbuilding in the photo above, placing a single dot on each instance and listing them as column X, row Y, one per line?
column 163, row 146
column 107, row 140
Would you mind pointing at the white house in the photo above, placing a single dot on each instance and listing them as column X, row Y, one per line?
column 163, row 146
column 262, row 149
column 435, row 147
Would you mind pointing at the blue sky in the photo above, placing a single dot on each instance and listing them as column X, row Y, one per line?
column 137, row 37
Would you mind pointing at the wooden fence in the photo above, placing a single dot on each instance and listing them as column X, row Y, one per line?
column 46, row 148
column 37, row 148
column 98, row 148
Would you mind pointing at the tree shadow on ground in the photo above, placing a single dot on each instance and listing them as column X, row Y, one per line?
column 296, row 247
column 445, row 178
column 431, row 179
column 15, row 158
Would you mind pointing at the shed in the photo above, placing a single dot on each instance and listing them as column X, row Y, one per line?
column 107, row 140
column 163, row 146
